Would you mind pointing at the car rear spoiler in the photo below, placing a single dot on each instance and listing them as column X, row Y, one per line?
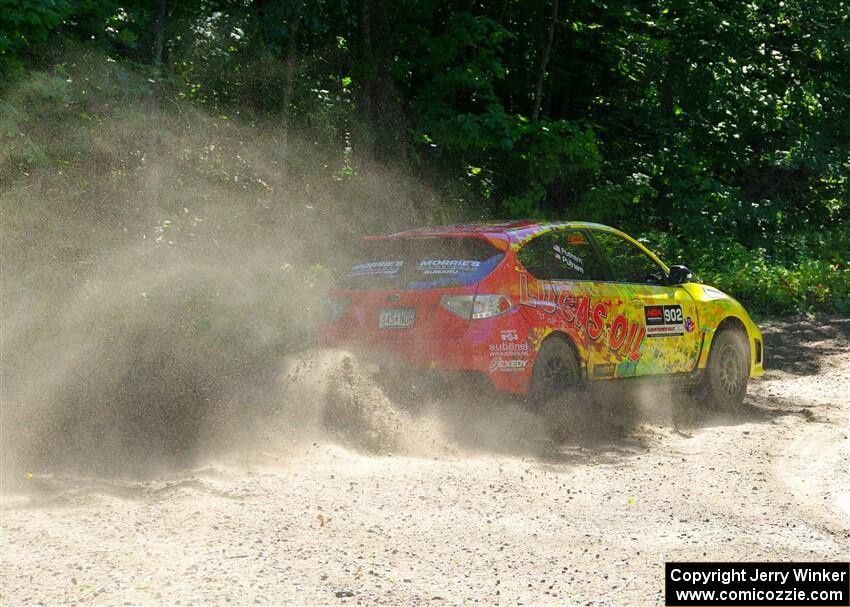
column 499, row 240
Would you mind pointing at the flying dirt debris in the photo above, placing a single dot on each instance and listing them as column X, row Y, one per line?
column 473, row 515
column 170, row 435
column 356, row 412
column 148, row 308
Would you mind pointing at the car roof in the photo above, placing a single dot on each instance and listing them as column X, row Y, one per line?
column 499, row 233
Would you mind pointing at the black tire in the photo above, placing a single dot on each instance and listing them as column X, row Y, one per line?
column 556, row 372
column 728, row 371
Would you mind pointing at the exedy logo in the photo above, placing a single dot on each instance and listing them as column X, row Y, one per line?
column 501, row 364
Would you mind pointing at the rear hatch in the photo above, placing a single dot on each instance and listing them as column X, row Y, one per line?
column 393, row 290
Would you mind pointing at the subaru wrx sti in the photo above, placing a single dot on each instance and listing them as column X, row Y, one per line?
column 541, row 308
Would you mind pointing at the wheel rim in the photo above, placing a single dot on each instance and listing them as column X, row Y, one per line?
column 556, row 374
column 730, row 370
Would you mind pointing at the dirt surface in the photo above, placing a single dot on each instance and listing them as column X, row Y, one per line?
column 362, row 495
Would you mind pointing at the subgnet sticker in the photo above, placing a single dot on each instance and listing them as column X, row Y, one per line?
column 662, row 321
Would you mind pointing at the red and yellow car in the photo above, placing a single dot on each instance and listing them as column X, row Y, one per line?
column 540, row 308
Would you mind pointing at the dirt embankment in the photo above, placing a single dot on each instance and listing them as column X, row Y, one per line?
column 387, row 496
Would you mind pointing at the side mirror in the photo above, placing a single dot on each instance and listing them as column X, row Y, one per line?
column 679, row 275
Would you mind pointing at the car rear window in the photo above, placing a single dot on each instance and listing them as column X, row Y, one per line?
column 421, row 263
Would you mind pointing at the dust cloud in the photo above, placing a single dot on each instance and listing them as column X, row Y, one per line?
column 160, row 263
column 163, row 270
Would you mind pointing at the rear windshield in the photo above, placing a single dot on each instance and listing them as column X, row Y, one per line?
column 421, row 263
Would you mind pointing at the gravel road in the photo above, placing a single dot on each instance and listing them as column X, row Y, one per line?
column 462, row 501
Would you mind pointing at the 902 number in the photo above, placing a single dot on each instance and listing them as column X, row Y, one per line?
column 673, row 315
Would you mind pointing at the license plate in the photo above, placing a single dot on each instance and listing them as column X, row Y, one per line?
column 397, row 318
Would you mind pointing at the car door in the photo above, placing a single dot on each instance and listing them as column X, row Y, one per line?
column 560, row 286
column 651, row 327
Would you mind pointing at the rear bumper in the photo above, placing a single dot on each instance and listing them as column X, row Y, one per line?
column 481, row 349
column 448, row 354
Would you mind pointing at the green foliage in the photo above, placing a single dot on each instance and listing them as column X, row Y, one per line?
column 24, row 23
column 772, row 289
column 724, row 127
column 806, row 281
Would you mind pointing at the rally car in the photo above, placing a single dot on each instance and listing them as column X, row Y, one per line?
column 540, row 308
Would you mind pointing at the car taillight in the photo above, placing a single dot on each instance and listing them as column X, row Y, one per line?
column 476, row 307
column 335, row 307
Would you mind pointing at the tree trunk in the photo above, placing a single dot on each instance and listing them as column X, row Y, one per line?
column 546, row 102
column 503, row 9
column 379, row 45
column 377, row 95
column 291, row 58
column 155, row 178
column 159, row 35
column 544, row 61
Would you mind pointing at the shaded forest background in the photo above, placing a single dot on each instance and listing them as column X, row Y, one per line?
column 718, row 132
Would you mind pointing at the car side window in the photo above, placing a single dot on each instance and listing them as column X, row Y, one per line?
column 562, row 255
column 628, row 263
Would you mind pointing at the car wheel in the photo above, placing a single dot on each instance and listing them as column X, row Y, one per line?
column 556, row 372
column 728, row 371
